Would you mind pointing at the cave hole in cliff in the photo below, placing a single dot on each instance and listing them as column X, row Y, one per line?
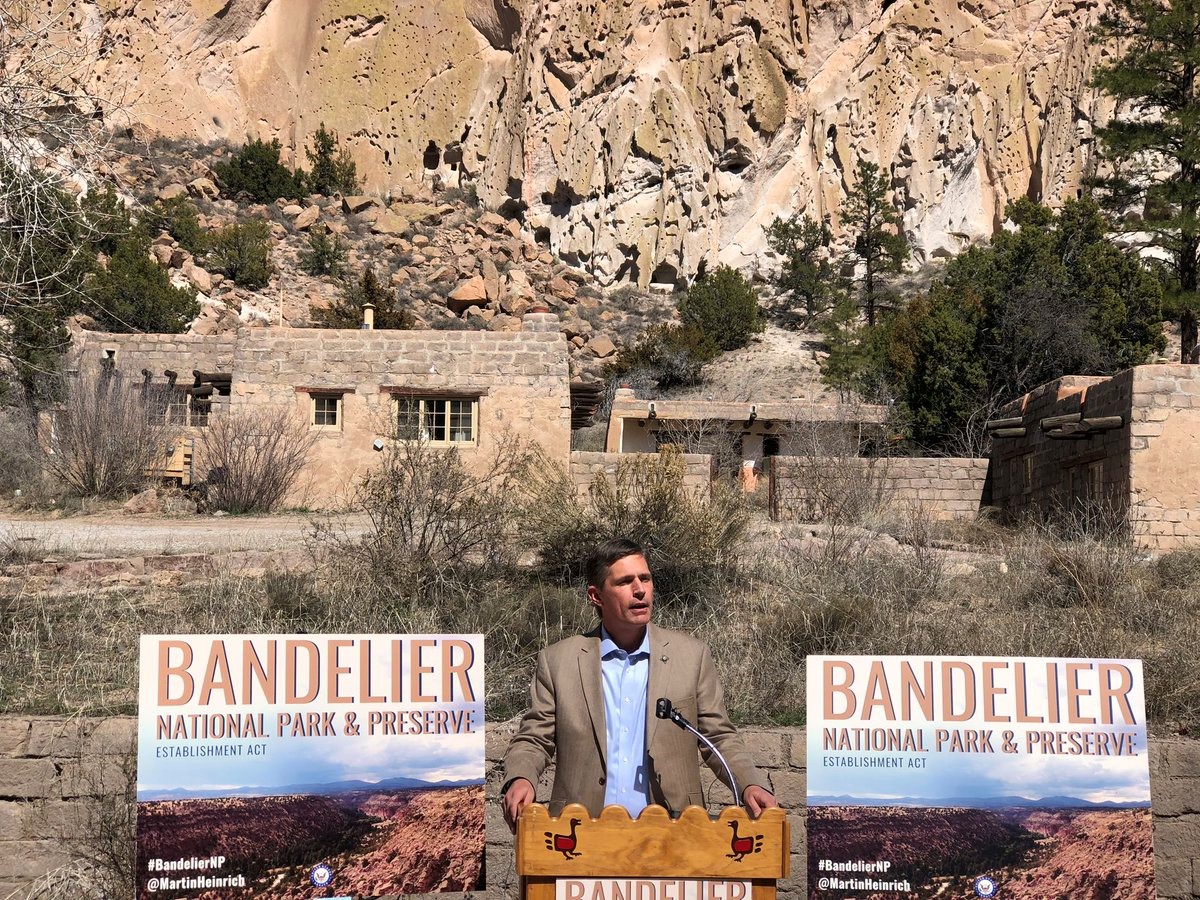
column 886, row 4
column 629, row 270
column 432, row 156
column 541, row 235
column 666, row 274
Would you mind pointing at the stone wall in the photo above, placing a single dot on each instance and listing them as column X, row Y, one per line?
column 1164, row 456
column 1140, row 468
column 587, row 466
column 807, row 487
column 182, row 353
column 56, row 773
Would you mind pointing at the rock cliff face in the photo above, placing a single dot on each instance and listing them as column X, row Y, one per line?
column 644, row 138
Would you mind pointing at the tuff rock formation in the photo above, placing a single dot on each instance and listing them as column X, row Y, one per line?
column 643, row 138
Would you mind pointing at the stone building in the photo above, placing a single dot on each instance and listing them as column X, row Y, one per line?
column 357, row 388
column 1105, row 446
column 748, row 432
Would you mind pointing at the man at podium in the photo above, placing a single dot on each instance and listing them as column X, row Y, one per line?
column 593, row 703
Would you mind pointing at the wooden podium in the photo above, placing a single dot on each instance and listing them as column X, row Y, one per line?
column 649, row 858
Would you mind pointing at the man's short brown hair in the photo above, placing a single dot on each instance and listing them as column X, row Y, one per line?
column 602, row 558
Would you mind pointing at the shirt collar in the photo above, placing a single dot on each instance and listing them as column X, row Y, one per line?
column 608, row 646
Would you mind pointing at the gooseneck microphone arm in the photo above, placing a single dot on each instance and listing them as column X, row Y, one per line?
column 664, row 710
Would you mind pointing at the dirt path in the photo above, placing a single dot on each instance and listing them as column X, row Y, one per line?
column 102, row 536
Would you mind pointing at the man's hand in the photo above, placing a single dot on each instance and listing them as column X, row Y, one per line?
column 519, row 795
column 756, row 799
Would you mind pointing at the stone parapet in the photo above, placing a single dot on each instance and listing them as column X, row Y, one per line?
column 57, row 775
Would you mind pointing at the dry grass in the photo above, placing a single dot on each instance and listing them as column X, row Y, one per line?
column 1031, row 594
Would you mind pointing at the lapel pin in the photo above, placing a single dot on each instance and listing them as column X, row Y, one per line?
column 663, row 658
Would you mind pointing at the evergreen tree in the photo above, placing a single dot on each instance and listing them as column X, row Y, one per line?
column 1154, row 79
column 133, row 293
column 356, row 293
column 242, row 252
column 256, row 170
column 45, row 255
column 324, row 255
column 723, row 306
column 1053, row 297
column 333, row 171
column 879, row 244
column 807, row 274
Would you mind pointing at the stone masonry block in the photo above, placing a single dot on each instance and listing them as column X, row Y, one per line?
column 12, row 818
column 113, row 736
column 57, row 737
column 20, row 858
column 1173, row 878
column 13, row 736
column 766, row 748
column 789, row 788
column 1177, row 837
column 27, row 778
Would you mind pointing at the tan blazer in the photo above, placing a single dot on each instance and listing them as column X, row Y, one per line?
column 566, row 719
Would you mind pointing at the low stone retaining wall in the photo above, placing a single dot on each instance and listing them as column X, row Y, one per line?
column 809, row 488
column 59, row 779
column 587, row 466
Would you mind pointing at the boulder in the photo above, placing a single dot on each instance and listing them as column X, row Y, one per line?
column 561, row 288
column 491, row 279
column 141, row 504
column 179, row 258
column 161, row 253
column 203, row 187
column 199, row 278
column 490, row 221
column 357, row 204
column 388, row 222
column 602, row 346
column 292, row 210
column 172, row 191
column 470, row 292
column 307, row 218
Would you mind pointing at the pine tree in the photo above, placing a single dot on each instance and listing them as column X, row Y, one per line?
column 879, row 243
column 807, row 275
column 333, row 171
column 1154, row 79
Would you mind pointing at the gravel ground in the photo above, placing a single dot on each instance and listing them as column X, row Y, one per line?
column 100, row 536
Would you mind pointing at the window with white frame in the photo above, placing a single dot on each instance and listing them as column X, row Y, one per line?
column 326, row 410
column 438, row 420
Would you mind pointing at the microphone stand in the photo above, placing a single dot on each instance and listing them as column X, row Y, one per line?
column 664, row 710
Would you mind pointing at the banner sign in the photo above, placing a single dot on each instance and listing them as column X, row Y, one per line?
column 977, row 777
column 298, row 766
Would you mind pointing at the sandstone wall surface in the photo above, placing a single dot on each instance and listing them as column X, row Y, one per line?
column 806, row 487
column 59, row 776
column 643, row 137
column 587, row 466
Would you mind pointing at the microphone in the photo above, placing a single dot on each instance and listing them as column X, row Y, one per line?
column 664, row 710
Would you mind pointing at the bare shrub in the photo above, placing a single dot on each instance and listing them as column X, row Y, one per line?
column 105, row 436
column 711, row 437
column 431, row 518
column 20, row 456
column 691, row 535
column 252, row 459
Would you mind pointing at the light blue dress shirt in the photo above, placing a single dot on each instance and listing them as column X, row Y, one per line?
column 625, row 677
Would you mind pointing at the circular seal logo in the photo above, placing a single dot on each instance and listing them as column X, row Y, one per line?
column 985, row 886
column 322, row 876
